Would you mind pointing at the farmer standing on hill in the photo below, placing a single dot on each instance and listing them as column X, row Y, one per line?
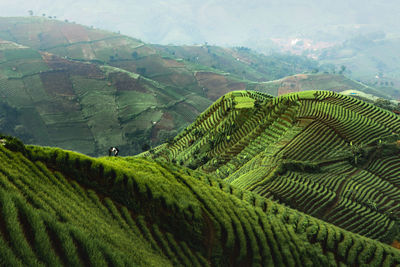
column 113, row 151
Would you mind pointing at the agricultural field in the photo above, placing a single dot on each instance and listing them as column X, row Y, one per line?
column 170, row 65
column 86, row 107
column 331, row 156
column 64, row 208
column 83, row 89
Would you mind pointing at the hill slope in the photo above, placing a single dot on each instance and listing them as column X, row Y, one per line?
column 173, row 66
column 87, row 107
column 60, row 207
column 84, row 89
column 329, row 155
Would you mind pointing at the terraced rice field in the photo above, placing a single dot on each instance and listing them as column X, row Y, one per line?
column 328, row 155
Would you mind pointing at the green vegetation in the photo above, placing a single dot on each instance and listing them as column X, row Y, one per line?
column 83, row 89
column 315, row 151
column 64, row 208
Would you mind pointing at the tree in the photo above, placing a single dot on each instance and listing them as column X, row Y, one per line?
column 30, row 12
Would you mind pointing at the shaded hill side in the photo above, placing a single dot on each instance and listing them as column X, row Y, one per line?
column 329, row 155
column 82, row 106
column 61, row 207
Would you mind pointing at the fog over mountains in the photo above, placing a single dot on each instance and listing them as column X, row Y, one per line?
column 235, row 22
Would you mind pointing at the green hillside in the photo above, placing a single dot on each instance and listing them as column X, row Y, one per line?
column 63, row 208
column 49, row 100
column 83, row 89
column 329, row 155
column 174, row 66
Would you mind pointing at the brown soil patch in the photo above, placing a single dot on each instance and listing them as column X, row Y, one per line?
column 215, row 93
column 182, row 79
column 57, row 83
column 216, row 85
column 396, row 244
column 73, row 67
column 210, row 80
column 170, row 63
column 165, row 123
column 123, row 82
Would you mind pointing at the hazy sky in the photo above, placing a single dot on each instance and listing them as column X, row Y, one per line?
column 222, row 22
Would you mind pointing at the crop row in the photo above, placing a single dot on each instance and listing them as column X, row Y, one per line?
column 66, row 200
column 225, row 226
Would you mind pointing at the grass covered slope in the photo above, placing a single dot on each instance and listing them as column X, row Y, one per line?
column 329, row 155
column 60, row 207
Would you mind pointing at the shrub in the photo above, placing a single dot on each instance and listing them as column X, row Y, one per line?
column 13, row 144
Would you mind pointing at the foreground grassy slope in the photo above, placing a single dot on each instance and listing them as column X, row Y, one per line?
column 329, row 155
column 60, row 207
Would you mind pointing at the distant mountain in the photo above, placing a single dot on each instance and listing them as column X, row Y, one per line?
column 329, row 155
column 153, row 61
column 67, row 85
column 241, row 61
column 371, row 58
column 319, row 81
